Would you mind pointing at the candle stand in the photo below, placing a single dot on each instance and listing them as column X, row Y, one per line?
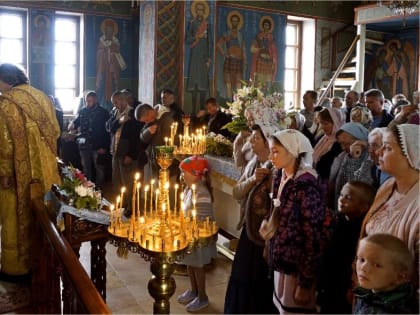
column 190, row 143
column 160, row 231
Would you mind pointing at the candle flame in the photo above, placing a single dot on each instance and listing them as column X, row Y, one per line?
column 176, row 186
column 122, row 189
column 112, row 207
column 141, row 220
column 138, row 185
column 137, row 176
column 118, row 199
column 146, row 188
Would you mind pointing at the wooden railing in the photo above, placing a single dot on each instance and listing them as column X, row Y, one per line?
column 54, row 259
column 339, row 69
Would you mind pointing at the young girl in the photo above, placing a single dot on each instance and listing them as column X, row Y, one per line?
column 296, row 244
column 195, row 170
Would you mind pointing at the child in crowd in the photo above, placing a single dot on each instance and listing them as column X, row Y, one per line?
column 195, row 171
column 384, row 267
column 335, row 277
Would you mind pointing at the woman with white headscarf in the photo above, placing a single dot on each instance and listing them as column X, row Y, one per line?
column 296, row 243
column 396, row 207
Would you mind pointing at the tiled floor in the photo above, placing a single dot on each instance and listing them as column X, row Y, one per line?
column 127, row 281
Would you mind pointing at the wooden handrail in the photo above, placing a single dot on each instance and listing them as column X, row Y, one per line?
column 81, row 283
column 339, row 69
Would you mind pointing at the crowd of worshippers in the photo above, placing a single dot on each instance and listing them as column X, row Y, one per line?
column 336, row 194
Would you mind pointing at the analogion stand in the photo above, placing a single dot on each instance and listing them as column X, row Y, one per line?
column 77, row 231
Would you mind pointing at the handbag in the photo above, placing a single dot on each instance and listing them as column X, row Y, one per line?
column 269, row 227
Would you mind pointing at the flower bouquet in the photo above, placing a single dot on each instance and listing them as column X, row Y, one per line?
column 265, row 108
column 81, row 193
column 217, row 144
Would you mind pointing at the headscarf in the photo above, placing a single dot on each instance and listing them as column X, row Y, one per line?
column 268, row 129
column 327, row 141
column 195, row 165
column 361, row 114
column 356, row 130
column 262, row 114
column 408, row 134
column 296, row 143
column 299, row 118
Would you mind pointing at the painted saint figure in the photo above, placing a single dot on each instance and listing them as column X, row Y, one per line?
column 109, row 62
column 264, row 54
column 232, row 47
column 199, row 40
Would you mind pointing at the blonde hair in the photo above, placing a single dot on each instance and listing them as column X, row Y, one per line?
column 397, row 250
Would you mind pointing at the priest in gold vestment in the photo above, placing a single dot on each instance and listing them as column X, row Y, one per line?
column 28, row 135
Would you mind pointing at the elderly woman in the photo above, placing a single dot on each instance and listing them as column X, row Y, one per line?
column 327, row 148
column 296, row 241
column 254, row 114
column 347, row 165
column 250, row 288
column 396, row 209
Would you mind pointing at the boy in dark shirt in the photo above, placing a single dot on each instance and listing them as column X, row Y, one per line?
column 335, row 278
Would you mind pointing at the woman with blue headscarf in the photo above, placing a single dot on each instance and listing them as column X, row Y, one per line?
column 348, row 164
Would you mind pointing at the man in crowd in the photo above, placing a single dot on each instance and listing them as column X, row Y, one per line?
column 94, row 140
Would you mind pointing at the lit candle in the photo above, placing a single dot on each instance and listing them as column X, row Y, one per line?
column 138, row 186
column 152, row 182
column 166, row 138
column 118, row 202
column 146, row 189
column 156, row 200
column 193, row 194
column 176, row 197
column 111, row 217
column 166, row 196
column 122, row 196
column 182, row 204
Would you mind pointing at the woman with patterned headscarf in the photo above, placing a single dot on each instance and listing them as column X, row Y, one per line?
column 195, row 171
column 327, row 148
column 396, row 207
column 296, row 241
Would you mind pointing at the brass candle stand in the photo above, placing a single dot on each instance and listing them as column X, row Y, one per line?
column 159, row 231
column 190, row 143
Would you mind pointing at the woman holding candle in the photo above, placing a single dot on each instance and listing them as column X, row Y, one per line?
column 195, row 171
column 250, row 287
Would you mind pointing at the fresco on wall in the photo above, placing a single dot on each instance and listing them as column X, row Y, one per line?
column 391, row 67
column 249, row 45
column 109, row 55
column 146, row 52
column 41, row 50
column 198, row 51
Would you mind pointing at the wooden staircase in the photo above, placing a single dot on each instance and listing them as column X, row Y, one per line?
column 344, row 77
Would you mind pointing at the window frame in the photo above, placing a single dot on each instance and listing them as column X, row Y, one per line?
column 297, row 68
column 78, row 20
column 23, row 13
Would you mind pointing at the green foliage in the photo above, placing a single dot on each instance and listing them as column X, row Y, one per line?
column 236, row 125
column 215, row 147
